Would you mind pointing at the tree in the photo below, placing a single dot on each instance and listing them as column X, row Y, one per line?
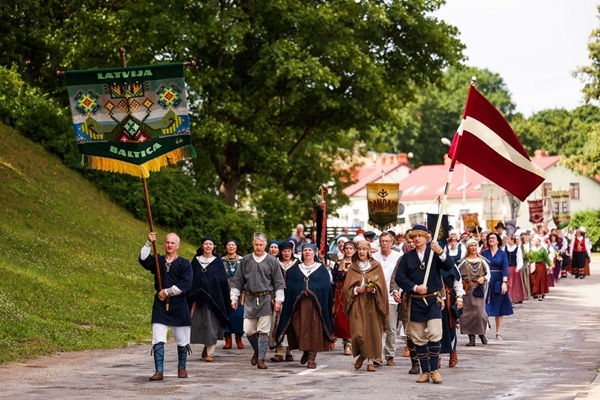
column 437, row 112
column 276, row 81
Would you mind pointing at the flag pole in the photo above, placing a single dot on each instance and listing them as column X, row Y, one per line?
column 148, row 211
column 444, row 197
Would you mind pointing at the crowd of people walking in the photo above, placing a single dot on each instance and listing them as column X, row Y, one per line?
column 286, row 295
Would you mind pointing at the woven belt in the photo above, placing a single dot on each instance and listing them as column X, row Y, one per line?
column 422, row 296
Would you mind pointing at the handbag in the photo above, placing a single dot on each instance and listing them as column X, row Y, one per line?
column 478, row 291
column 497, row 287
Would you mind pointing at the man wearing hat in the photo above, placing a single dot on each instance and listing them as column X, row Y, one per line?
column 500, row 230
column 424, row 299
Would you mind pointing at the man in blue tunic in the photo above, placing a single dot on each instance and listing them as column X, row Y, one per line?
column 170, row 307
column 425, row 322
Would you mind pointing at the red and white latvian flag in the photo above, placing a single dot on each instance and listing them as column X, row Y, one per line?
column 486, row 143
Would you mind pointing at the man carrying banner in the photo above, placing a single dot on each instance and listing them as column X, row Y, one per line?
column 260, row 282
column 425, row 314
column 170, row 306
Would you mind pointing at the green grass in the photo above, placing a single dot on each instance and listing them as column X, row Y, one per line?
column 70, row 279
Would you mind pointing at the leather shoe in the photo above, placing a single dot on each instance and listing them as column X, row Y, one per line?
column 209, row 358
column 254, row 359
column 359, row 362
column 423, row 378
column 261, row 364
column 453, row 359
column 390, row 362
column 436, row 377
column 483, row 339
column 406, row 352
column 181, row 373
column 289, row 357
column 414, row 370
column 158, row 376
column 304, row 358
column 277, row 358
column 370, row 368
column 311, row 365
column 377, row 362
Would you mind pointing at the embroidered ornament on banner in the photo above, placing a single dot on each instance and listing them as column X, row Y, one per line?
column 130, row 120
column 382, row 199
column 536, row 211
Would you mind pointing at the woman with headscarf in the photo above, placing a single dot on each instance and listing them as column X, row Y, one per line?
column 497, row 301
column 231, row 263
column 306, row 313
column 366, row 305
column 541, row 267
column 209, row 298
column 273, row 248
column 286, row 260
column 341, row 326
column 475, row 272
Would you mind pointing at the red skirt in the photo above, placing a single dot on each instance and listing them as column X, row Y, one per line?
column 516, row 288
column 539, row 280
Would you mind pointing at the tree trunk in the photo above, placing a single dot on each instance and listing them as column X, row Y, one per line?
column 228, row 189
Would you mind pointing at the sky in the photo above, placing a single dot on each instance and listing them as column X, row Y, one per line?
column 534, row 45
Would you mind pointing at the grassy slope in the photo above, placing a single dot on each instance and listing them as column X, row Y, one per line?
column 68, row 259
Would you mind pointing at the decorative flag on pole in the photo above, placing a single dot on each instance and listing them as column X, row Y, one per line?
column 536, row 211
column 470, row 221
column 444, row 231
column 492, row 205
column 382, row 199
column 130, row 120
column 515, row 205
column 547, row 210
column 486, row 143
column 561, row 207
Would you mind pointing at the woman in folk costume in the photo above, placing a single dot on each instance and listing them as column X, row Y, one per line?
column 341, row 325
column 525, row 246
column 453, row 301
column 209, row 298
column 540, row 268
column 580, row 251
column 286, row 260
column 475, row 272
column 306, row 312
column 231, row 263
column 497, row 300
column 559, row 247
column 366, row 305
column 516, row 287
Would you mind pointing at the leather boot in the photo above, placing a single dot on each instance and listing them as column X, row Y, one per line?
column 238, row 341
column 453, row 359
column 182, row 353
column 158, row 351
column 227, row 341
column 471, row 340
column 261, row 364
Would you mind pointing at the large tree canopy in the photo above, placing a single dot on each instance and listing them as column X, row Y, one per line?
column 278, row 81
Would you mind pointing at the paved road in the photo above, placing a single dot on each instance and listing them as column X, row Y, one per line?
column 551, row 350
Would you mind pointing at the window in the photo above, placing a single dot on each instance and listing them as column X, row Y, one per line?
column 547, row 189
column 574, row 187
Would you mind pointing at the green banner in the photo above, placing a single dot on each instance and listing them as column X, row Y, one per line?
column 130, row 115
